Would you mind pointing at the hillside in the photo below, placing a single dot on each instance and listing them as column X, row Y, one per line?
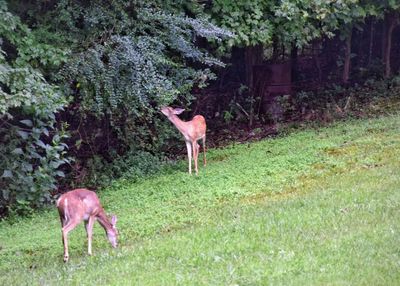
column 316, row 206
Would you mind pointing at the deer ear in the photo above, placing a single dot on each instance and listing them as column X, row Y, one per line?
column 178, row 110
column 114, row 220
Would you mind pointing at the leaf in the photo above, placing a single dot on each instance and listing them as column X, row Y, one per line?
column 27, row 167
column 78, row 144
column 35, row 155
column 41, row 144
column 56, row 138
column 56, row 164
column 24, row 135
column 27, row 122
column 7, row 174
column 45, row 131
column 6, row 194
column 18, row 151
column 60, row 174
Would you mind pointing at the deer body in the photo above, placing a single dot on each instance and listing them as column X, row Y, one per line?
column 83, row 205
column 192, row 131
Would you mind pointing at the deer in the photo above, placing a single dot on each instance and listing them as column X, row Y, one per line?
column 192, row 131
column 83, row 205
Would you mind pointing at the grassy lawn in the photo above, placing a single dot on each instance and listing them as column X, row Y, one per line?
column 314, row 207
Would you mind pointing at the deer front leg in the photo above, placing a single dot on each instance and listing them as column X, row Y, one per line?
column 204, row 150
column 89, row 231
column 189, row 151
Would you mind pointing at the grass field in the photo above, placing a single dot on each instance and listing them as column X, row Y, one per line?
column 318, row 206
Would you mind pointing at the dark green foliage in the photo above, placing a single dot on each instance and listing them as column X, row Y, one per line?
column 31, row 148
column 251, row 21
column 132, row 166
column 30, row 166
column 134, row 58
column 143, row 61
column 338, row 101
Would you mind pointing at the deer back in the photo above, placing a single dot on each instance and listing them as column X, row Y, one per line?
column 79, row 205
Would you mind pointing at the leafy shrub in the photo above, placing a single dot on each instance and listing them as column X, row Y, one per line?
column 337, row 100
column 134, row 59
column 31, row 148
column 29, row 165
column 133, row 165
column 144, row 62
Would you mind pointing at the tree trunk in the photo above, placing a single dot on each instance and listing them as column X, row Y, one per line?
column 347, row 59
column 315, row 55
column 253, row 56
column 275, row 50
column 391, row 22
column 384, row 39
column 293, row 61
column 371, row 42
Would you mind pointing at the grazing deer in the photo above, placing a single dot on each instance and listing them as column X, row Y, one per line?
column 192, row 130
column 82, row 204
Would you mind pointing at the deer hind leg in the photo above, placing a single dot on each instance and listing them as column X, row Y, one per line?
column 204, row 150
column 189, row 151
column 89, row 231
column 195, row 155
column 65, row 230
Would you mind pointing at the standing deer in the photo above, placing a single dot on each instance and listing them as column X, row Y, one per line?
column 192, row 131
column 82, row 204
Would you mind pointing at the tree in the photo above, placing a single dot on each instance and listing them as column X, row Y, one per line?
column 304, row 21
column 290, row 24
column 137, row 57
column 31, row 147
column 250, row 23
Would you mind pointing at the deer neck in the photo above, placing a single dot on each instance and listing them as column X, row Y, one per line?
column 103, row 220
column 179, row 124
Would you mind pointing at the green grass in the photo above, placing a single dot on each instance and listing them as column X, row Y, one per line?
column 314, row 207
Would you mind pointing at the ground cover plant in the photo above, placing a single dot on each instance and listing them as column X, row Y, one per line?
column 315, row 206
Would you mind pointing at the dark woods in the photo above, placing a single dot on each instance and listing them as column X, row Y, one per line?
column 82, row 82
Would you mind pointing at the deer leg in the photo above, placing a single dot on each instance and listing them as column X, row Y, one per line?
column 204, row 150
column 65, row 230
column 65, row 243
column 62, row 237
column 195, row 154
column 89, row 232
column 189, row 151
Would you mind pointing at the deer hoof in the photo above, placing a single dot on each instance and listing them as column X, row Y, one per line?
column 66, row 258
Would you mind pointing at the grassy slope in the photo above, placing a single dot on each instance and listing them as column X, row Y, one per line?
column 315, row 207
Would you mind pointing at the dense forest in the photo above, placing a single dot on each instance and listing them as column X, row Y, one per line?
column 82, row 82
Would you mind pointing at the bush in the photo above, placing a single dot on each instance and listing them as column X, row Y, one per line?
column 149, row 59
column 31, row 148
column 338, row 101
column 133, row 165
column 30, row 165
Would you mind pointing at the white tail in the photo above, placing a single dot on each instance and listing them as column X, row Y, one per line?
column 83, row 205
column 192, row 130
